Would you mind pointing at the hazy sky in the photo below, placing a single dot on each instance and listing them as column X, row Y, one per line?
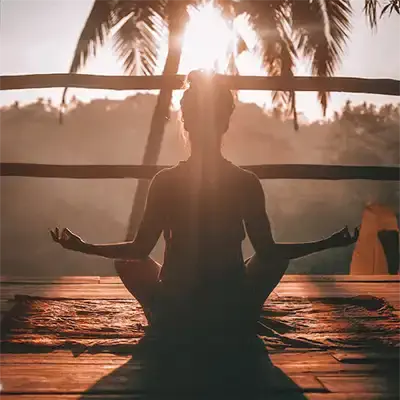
column 39, row 36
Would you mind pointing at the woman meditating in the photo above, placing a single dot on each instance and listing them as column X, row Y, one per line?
column 204, row 207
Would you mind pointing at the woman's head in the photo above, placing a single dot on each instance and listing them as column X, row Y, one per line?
column 207, row 105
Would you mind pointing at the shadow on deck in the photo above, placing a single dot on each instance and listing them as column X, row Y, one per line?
column 329, row 337
column 201, row 372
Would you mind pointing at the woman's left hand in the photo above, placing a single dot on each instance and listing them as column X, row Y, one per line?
column 343, row 237
column 67, row 239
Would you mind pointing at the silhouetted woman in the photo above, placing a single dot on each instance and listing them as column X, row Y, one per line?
column 204, row 207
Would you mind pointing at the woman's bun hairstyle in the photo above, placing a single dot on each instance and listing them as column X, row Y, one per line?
column 204, row 87
column 198, row 78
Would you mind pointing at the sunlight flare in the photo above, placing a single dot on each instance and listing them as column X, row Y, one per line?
column 208, row 40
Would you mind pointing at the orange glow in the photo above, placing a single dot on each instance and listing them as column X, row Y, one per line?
column 369, row 255
column 207, row 43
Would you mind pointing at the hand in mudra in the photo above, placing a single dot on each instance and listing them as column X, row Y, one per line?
column 67, row 239
column 343, row 237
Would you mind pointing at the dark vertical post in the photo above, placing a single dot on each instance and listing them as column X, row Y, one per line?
column 390, row 243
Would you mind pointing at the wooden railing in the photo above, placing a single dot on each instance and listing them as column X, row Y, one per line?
column 278, row 171
column 287, row 171
column 298, row 83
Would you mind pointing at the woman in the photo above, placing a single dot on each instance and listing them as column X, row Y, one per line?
column 204, row 207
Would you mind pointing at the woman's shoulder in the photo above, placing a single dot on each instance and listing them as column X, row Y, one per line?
column 168, row 173
column 243, row 174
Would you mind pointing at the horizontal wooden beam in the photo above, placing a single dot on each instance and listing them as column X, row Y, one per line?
column 298, row 83
column 278, row 171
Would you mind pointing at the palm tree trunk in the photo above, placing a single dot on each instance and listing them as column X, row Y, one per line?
column 159, row 120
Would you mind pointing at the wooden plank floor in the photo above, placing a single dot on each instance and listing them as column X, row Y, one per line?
column 317, row 374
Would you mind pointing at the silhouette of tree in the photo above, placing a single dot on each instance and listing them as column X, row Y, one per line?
column 316, row 30
column 371, row 8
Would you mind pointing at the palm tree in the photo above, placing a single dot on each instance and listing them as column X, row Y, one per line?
column 316, row 30
column 136, row 42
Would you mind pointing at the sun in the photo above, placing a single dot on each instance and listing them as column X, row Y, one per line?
column 208, row 40
column 207, row 43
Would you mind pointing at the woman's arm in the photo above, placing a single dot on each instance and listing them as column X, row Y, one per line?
column 144, row 242
column 259, row 231
column 132, row 250
column 297, row 250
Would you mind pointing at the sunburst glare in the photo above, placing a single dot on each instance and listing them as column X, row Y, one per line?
column 208, row 40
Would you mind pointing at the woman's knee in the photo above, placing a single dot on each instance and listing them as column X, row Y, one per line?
column 146, row 268
column 254, row 263
column 124, row 266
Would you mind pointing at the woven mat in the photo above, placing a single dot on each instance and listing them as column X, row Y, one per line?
column 43, row 324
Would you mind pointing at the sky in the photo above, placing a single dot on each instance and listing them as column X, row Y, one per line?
column 39, row 36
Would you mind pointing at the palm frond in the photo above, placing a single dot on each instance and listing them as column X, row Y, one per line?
column 236, row 48
column 390, row 6
column 371, row 10
column 134, row 48
column 137, row 41
column 262, row 18
column 106, row 15
column 97, row 27
column 321, row 28
column 271, row 20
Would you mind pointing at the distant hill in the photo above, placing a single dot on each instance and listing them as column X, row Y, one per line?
column 114, row 132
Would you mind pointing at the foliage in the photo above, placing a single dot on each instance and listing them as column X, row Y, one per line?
column 299, row 210
column 288, row 29
column 371, row 8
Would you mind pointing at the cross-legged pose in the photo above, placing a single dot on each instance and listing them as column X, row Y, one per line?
column 204, row 207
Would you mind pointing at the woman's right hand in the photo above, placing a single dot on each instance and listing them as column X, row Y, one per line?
column 67, row 239
column 343, row 237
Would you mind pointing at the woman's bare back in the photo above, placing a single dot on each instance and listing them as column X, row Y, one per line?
column 203, row 213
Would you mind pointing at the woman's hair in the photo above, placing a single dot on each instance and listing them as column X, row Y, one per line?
column 206, row 98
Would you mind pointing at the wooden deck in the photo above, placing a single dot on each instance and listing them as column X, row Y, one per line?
column 317, row 373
